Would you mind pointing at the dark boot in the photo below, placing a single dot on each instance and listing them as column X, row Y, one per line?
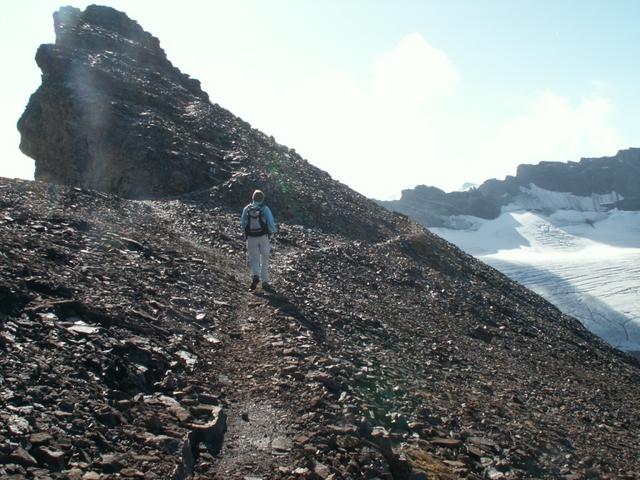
column 254, row 283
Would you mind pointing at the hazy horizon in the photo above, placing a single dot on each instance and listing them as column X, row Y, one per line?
column 387, row 95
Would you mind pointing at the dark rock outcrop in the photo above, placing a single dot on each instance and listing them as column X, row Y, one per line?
column 114, row 114
column 430, row 205
column 590, row 176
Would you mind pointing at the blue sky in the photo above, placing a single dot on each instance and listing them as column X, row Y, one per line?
column 385, row 95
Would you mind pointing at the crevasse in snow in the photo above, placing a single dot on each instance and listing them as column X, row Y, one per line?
column 582, row 258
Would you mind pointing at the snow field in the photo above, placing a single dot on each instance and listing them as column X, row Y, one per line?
column 587, row 263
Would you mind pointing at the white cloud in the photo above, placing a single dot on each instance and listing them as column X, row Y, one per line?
column 374, row 136
column 380, row 147
column 552, row 129
column 410, row 121
column 413, row 72
column 394, row 129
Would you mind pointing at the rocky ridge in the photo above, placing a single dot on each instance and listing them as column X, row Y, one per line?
column 114, row 114
column 131, row 347
column 589, row 177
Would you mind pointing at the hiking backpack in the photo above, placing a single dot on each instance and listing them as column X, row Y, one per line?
column 256, row 223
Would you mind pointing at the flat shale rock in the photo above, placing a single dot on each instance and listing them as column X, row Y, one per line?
column 363, row 364
column 21, row 457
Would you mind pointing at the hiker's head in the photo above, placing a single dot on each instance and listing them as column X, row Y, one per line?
column 258, row 196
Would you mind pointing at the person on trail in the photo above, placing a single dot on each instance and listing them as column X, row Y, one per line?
column 258, row 226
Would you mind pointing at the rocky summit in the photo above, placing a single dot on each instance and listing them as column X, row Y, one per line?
column 609, row 182
column 131, row 346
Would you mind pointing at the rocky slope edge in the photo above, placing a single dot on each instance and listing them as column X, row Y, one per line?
column 131, row 347
column 114, row 114
column 611, row 182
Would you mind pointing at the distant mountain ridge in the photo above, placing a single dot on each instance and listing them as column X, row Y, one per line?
column 569, row 231
column 612, row 182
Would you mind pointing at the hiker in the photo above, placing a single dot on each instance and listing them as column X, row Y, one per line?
column 258, row 226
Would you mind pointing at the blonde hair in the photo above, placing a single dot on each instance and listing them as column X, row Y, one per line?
column 258, row 196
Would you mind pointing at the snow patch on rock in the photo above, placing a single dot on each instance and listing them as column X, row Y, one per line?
column 538, row 199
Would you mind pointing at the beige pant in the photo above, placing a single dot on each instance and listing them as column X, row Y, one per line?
column 258, row 256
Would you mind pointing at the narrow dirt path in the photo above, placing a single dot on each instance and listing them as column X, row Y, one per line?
column 257, row 429
column 264, row 341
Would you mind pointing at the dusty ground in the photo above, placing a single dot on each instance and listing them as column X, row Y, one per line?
column 132, row 348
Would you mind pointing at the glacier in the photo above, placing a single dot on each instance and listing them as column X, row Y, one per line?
column 572, row 250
